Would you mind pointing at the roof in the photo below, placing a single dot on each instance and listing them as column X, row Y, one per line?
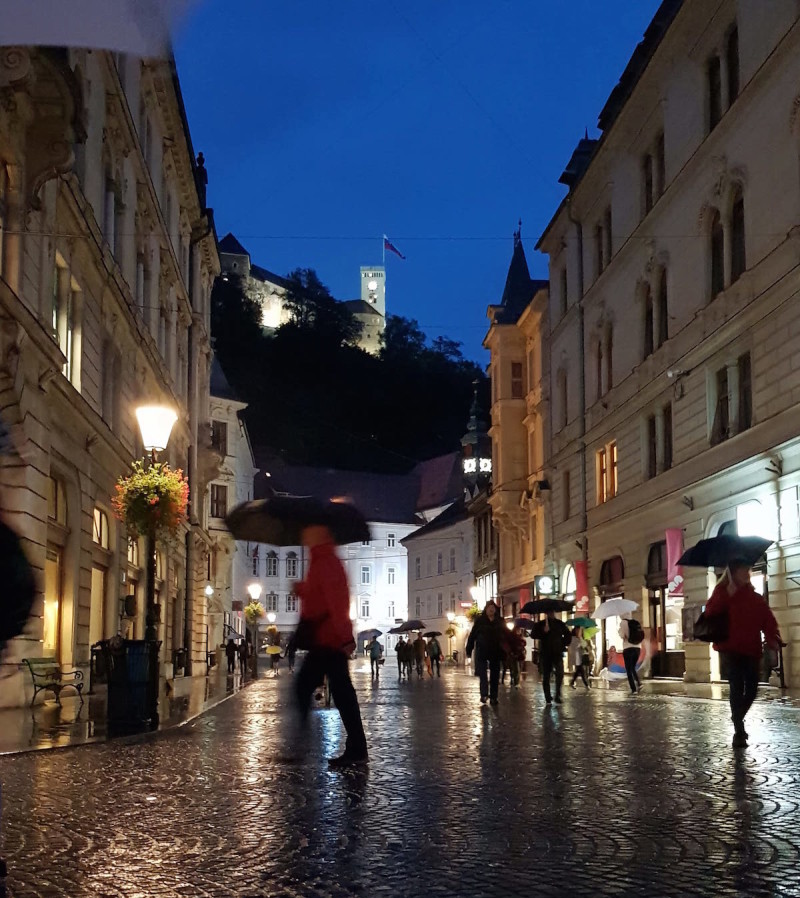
column 453, row 514
column 218, row 383
column 520, row 288
column 578, row 161
column 440, row 481
column 386, row 498
column 361, row 307
column 264, row 274
column 230, row 245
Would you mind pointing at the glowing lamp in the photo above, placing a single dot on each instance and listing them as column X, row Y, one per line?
column 155, row 425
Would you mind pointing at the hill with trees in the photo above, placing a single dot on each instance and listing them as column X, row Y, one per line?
column 315, row 398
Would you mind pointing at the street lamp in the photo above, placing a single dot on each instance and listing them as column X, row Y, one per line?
column 271, row 617
column 450, row 617
column 155, row 425
column 209, row 590
column 254, row 591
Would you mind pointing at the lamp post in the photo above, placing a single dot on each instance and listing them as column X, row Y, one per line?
column 155, row 425
column 254, row 591
column 450, row 618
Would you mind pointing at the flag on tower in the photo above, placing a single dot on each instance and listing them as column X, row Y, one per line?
column 387, row 244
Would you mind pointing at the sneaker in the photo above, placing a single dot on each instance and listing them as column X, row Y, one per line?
column 739, row 740
column 349, row 759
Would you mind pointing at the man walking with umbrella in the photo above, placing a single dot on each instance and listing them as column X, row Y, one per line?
column 554, row 639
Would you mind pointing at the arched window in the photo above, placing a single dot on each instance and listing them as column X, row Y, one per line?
column 663, row 309
column 717, row 253
column 272, row 564
column 649, row 322
column 738, row 254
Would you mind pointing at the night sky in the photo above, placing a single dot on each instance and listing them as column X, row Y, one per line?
column 437, row 122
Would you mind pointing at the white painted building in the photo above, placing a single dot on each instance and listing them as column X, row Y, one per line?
column 442, row 575
column 674, row 322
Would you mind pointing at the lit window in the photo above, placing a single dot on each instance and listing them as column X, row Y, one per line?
column 100, row 529
column 133, row 552
column 57, row 502
column 606, row 471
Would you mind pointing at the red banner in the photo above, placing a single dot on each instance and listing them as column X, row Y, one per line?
column 674, row 551
column 581, row 588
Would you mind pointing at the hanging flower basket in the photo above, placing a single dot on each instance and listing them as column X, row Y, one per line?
column 253, row 613
column 151, row 498
column 473, row 612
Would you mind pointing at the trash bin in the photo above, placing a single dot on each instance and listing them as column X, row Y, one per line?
column 132, row 685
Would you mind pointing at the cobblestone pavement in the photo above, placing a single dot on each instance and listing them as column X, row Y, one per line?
column 606, row 795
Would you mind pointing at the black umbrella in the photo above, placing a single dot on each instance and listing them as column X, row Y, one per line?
column 431, row 634
column 396, row 630
column 280, row 520
column 720, row 551
column 524, row 623
column 412, row 625
column 540, row 606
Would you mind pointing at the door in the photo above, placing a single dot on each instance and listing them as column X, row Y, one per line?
column 97, row 621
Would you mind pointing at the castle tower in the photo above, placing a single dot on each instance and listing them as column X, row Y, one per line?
column 373, row 288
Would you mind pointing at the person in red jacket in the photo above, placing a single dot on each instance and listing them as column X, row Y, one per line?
column 748, row 617
column 325, row 615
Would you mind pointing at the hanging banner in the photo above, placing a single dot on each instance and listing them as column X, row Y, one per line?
column 674, row 537
column 581, row 588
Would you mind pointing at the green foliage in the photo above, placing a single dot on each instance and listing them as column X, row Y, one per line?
column 314, row 398
column 253, row 613
column 153, row 497
column 472, row 613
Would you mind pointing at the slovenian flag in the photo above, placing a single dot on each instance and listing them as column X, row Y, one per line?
column 387, row 244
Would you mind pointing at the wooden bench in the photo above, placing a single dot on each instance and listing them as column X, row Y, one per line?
column 46, row 673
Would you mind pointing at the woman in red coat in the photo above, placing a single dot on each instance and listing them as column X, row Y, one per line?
column 748, row 617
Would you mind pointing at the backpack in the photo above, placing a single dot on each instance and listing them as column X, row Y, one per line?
column 19, row 585
column 635, row 632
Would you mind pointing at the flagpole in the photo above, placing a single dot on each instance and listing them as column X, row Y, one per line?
column 383, row 252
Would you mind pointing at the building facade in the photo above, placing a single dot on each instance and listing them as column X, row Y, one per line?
column 107, row 257
column 674, row 324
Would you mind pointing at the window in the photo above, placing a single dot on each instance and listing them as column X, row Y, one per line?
column 745, row 392
column 255, row 565
column 272, row 565
column 418, row 607
column 364, row 606
column 391, row 576
column 609, row 359
column 272, row 601
column 566, row 499
column 391, row 540
column 606, row 467
column 390, row 610
column 452, row 559
column 439, row 605
column 291, row 603
column 219, row 500
column 652, row 448
column 608, row 247
column 439, row 563
column 663, row 309
column 738, row 256
column 720, row 429
column 563, row 296
column 100, row 529
column 517, row 391
column 599, row 372
column 219, row 437
column 667, row 437
column 598, row 250
column 717, row 255
column 732, row 60
column 563, row 398
column 452, row 605
column 714, row 87
column 133, row 552
column 647, row 183
column 66, row 300
column 366, row 575
column 661, row 166
column 649, row 341
column 417, row 568
column 291, row 566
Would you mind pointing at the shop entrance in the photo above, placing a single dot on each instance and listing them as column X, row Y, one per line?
column 666, row 617
column 612, row 573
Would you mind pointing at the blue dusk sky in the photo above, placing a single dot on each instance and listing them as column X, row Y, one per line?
column 437, row 122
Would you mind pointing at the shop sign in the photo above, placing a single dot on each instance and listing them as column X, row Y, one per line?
column 545, row 585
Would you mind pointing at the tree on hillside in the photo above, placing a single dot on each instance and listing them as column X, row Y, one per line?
column 312, row 308
column 236, row 329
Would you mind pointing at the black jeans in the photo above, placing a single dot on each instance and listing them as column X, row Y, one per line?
column 743, row 680
column 550, row 664
column 435, row 661
column 488, row 685
column 318, row 664
column 580, row 672
column 232, row 664
column 374, row 667
column 631, row 656
column 400, row 666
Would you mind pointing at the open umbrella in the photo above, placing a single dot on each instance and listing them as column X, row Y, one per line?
column 273, row 650
column 431, row 633
column 584, row 622
column 541, row 606
column 410, row 625
column 524, row 623
column 280, row 520
column 395, row 630
column 720, row 551
column 614, row 608
column 368, row 634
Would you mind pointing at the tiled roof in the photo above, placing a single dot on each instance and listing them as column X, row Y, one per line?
column 440, row 480
column 454, row 514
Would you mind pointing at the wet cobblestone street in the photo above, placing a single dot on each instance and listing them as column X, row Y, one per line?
column 604, row 795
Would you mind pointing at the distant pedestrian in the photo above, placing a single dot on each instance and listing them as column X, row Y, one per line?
column 375, row 654
column 419, row 653
column 515, row 655
column 487, row 638
column 578, row 657
column 434, row 656
column 400, row 649
column 230, row 654
column 291, row 652
column 554, row 639
column 748, row 617
column 243, row 657
column 632, row 636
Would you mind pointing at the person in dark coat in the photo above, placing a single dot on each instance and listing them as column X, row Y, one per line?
column 400, row 648
column 748, row 617
column 230, row 654
column 554, row 639
column 243, row 657
column 291, row 651
column 488, row 638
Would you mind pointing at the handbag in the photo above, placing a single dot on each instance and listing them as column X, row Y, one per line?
column 711, row 629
